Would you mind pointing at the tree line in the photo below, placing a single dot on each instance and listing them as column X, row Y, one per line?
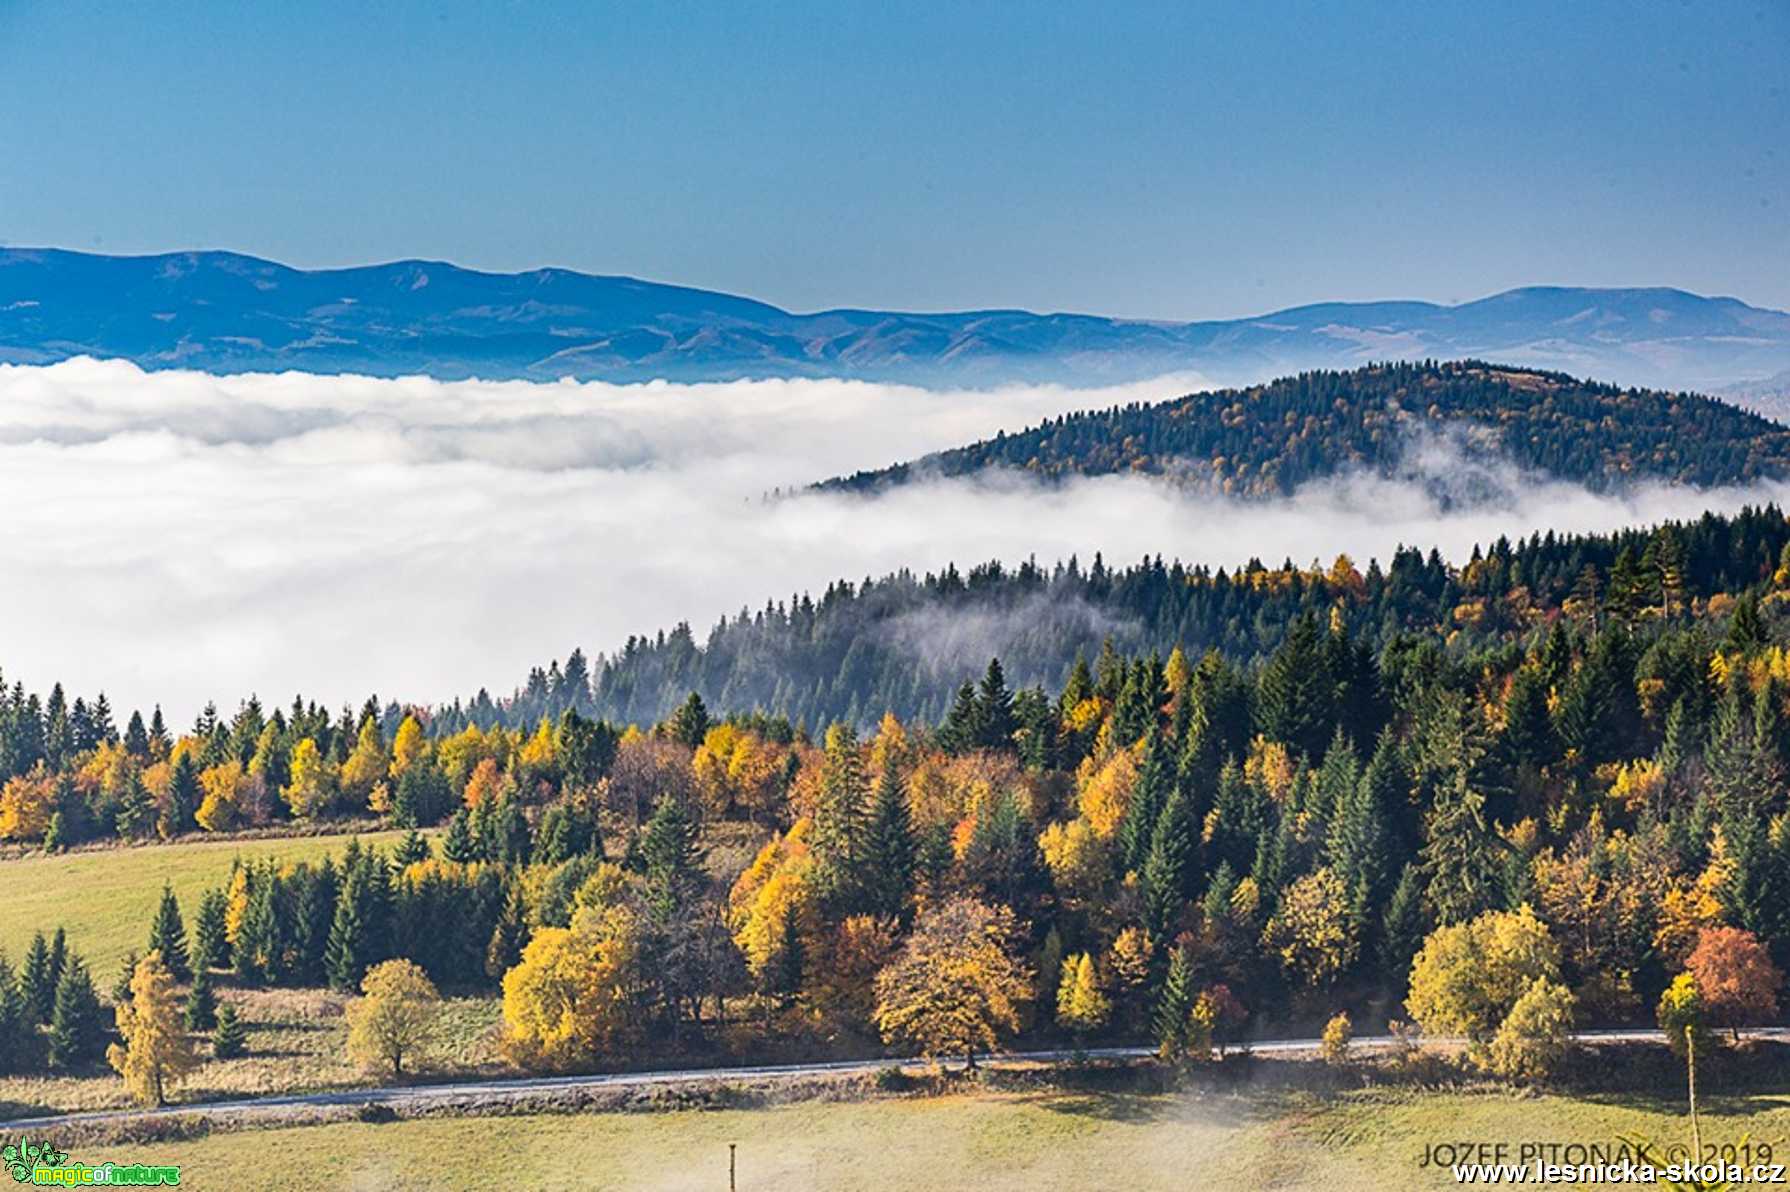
column 1183, row 846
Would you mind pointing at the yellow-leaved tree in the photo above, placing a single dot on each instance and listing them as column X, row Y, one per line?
column 312, row 783
column 1470, row 976
column 1312, row 931
column 156, row 1052
column 394, row 1017
column 1081, row 1007
column 957, row 985
column 571, row 996
column 409, row 744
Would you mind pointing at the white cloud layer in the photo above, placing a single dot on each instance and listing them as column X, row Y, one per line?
column 178, row 537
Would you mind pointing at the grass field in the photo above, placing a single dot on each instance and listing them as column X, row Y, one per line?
column 297, row 1042
column 1040, row 1142
column 106, row 898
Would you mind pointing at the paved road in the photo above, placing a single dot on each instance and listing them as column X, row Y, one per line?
column 525, row 1086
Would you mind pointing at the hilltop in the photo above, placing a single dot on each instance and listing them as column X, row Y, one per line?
column 1267, row 440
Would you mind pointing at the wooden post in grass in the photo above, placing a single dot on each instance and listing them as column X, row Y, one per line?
column 731, row 1148
column 1690, row 1060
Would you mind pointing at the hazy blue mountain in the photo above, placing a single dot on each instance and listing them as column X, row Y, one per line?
column 224, row 312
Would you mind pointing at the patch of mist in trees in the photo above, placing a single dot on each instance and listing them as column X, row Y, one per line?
column 178, row 537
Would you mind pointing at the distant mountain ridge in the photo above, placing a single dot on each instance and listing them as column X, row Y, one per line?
column 225, row 312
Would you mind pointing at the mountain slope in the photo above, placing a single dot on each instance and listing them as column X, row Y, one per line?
column 904, row 643
column 225, row 312
column 1267, row 440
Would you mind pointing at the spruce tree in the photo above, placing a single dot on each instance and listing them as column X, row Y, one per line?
column 1167, row 865
column 17, row 1032
column 670, row 856
column 201, row 1003
column 121, row 988
column 691, row 723
column 58, row 958
column 411, row 849
column 1173, row 1006
column 458, row 845
column 183, row 801
column 168, row 936
column 890, row 851
column 229, row 1040
column 77, row 1025
column 350, row 948
column 38, row 981
column 994, row 710
column 1149, row 794
column 1296, row 696
column 509, row 935
column 1402, row 928
column 211, row 941
column 962, row 728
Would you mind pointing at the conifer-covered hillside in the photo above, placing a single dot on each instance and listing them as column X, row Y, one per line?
column 905, row 642
column 1268, row 440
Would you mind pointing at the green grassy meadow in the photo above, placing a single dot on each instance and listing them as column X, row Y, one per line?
column 106, row 898
column 1040, row 1142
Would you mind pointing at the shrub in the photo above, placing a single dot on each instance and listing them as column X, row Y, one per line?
column 1338, row 1033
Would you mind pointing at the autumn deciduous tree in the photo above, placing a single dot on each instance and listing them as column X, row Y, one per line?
column 1080, row 1005
column 1735, row 976
column 1535, row 1034
column 1312, row 931
column 311, row 788
column 957, row 986
column 394, row 1017
column 571, row 996
column 1470, row 975
column 156, row 1052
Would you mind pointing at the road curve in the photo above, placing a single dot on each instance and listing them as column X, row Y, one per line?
column 524, row 1086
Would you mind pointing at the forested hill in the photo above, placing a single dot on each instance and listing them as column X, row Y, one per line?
column 906, row 643
column 1270, row 439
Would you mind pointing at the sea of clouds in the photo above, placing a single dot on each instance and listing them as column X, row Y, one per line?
column 175, row 537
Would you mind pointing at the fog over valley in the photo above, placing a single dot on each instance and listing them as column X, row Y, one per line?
column 179, row 537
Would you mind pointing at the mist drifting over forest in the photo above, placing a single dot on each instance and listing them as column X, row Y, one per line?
column 179, row 537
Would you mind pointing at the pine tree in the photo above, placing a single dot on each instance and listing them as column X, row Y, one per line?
column 56, row 835
column 890, row 852
column 168, row 936
column 229, row 1040
column 211, row 942
column 77, row 1025
column 201, row 1003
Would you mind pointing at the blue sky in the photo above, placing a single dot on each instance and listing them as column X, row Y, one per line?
column 1179, row 161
